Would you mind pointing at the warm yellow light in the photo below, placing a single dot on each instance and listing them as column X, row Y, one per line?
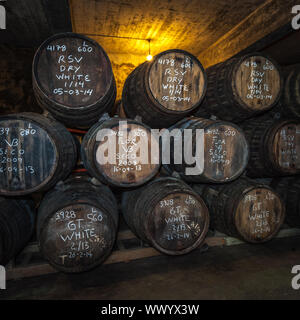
column 149, row 57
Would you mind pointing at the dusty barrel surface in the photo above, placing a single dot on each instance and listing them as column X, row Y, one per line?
column 289, row 106
column 132, row 151
column 165, row 90
column 73, row 79
column 274, row 147
column 244, row 209
column 168, row 215
column 77, row 225
column 35, row 153
column 289, row 189
column 225, row 150
column 16, row 227
column 242, row 87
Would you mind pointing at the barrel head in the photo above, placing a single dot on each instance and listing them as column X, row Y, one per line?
column 176, row 80
column 28, row 156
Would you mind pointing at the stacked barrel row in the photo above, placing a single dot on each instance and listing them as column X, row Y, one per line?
column 220, row 132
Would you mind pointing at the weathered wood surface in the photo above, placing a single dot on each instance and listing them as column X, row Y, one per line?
column 226, row 151
column 168, row 215
column 165, row 90
column 77, row 225
column 244, row 209
column 133, row 143
column 274, row 146
column 35, row 153
column 242, row 87
column 289, row 106
column 73, row 79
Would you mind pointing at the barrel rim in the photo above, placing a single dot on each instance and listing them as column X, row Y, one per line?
column 234, row 92
column 37, row 84
column 269, row 144
column 149, row 91
column 200, row 240
column 79, row 268
column 210, row 123
column 26, row 116
column 115, row 123
column 240, row 198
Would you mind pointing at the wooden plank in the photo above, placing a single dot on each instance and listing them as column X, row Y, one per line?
column 30, row 271
column 118, row 256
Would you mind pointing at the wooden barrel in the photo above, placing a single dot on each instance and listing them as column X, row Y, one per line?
column 166, row 89
column 274, row 147
column 244, row 209
column 289, row 189
column 167, row 214
column 77, row 225
column 16, row 227
column 240, row 88
column 225, row 150
column 132, row 145
column 73, row 79
column 35, row 153
column 289, row 105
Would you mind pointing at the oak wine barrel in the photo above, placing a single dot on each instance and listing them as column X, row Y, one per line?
column 132, row 141
column 244, row 209
column 166, row 89
column 289, row 104
column 289, row 189
column 242, row 87
column 225, row 150
column 274, row 147
column 16, row 227
column 35, row 153
column 167, row 214
column 77, row 224
column 73, row 79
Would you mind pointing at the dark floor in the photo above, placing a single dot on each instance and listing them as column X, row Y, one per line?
column 236, row 272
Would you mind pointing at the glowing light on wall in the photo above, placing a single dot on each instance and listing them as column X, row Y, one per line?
column 149, row 56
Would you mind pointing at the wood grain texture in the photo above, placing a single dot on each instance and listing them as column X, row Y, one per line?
column 289, row 106
column 73, row 79
column 131, row 165
column 165, row 90
column 242, row 87
column 257, row 83
column 176, row 81
column 244, row 209
column 274, row 147
column 35, row 153
column 77, row 231
column 225, row 151
column 168, row 215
